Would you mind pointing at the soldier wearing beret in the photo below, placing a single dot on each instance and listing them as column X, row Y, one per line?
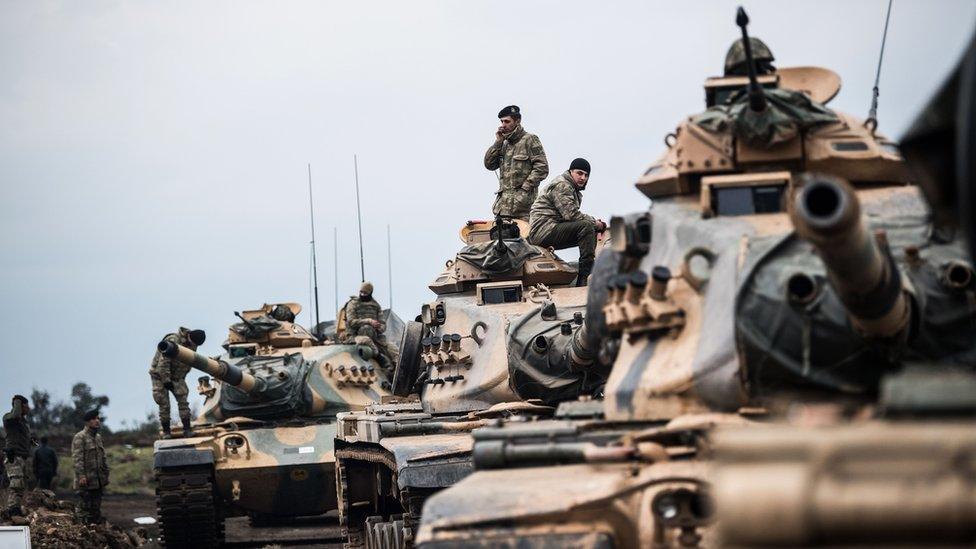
column 521, row 163
column 91, row 469
column 169, row 375
column 557, row 222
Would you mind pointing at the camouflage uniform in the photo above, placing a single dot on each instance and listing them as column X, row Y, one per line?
column 557, row 221
column 88, row 456
column 17, row 451
column 359, row 312
column 522, row 164
column 167, row 370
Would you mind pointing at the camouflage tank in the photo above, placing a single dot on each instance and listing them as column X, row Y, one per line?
column 508, row 333
column 902, row 477
column 755, row 279
column 263, row 442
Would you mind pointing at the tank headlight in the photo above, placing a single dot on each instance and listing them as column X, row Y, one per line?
column 666, row 507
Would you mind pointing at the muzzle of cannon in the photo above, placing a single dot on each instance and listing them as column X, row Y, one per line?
column 826, row 212
column 220, row 370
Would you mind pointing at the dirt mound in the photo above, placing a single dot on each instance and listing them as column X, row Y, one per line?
column 53, row 525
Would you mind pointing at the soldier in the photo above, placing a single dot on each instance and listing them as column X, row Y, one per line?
column 45, row 465
column 521, row 162
column 169, row 375
column 91, row 469
column 735, row 58
column 363, row 319
column 557, row 221
column 17, row 451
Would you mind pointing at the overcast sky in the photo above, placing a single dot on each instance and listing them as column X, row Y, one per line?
column 153, row 154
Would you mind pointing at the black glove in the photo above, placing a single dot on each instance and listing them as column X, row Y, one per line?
column 168, row 385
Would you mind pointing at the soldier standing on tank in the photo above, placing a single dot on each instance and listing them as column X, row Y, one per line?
column 91, row 469
column 363, row 315
column 169, row 375
column 521, row 163
column 557, row 222
column 17, row 451
column 45, row 465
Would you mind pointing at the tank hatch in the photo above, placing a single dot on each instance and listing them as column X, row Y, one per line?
column 270, row 327
column 496, row 253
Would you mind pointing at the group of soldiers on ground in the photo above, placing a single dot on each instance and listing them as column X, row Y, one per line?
column 554, row 216
column 22, row 468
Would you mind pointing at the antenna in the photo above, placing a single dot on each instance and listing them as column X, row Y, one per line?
column 389, row 263
column 872, row 120
column 315, row 269
column 335, row 263
column 757, row 100
column 359, row 216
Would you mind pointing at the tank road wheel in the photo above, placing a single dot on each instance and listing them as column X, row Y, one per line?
column 392, row 534
column 188, row 508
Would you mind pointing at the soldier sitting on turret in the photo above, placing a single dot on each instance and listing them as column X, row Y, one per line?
column 363, row 324
column 170, row 376
column 557, row 221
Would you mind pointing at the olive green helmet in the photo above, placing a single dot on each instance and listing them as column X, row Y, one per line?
column 735, row 59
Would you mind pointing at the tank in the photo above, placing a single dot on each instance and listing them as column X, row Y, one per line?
column 263, row 444
column 837, row 478
column 785, row 267
column 507, row 333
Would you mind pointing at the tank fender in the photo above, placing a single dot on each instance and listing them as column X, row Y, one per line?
column 182, row 457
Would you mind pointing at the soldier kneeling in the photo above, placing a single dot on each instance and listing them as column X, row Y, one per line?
column 557, row 222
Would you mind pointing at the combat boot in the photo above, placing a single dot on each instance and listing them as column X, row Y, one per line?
column 583, row 272
column 187, row 430
column 166, row 432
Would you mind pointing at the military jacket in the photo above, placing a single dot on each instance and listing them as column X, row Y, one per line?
column 359, row 312
column 18, row 431
column 522, row 165
column 168, row 370
column 88, row 456
column 559, row 202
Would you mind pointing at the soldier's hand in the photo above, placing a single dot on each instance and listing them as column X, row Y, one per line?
column 83, row 481
column 499, row 136
column 600, row 226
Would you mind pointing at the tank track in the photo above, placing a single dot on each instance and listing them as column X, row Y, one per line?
column 374, row 532
column 189, row 513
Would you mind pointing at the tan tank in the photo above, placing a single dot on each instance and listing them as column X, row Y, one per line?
column 263, row 444
column 902, row 478
column 506, row 334
column 755, row 286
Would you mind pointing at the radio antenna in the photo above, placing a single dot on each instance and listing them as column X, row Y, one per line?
column 315, row 270
column 389, row 263
column 335, row 263
column 359, row 216
column 872, row 121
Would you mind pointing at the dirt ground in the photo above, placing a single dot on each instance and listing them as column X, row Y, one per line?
column 120, row 510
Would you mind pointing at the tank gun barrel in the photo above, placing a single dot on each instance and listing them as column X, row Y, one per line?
column 247, row 322
column 757, row 99
column 227, row 373
column 827, row 213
